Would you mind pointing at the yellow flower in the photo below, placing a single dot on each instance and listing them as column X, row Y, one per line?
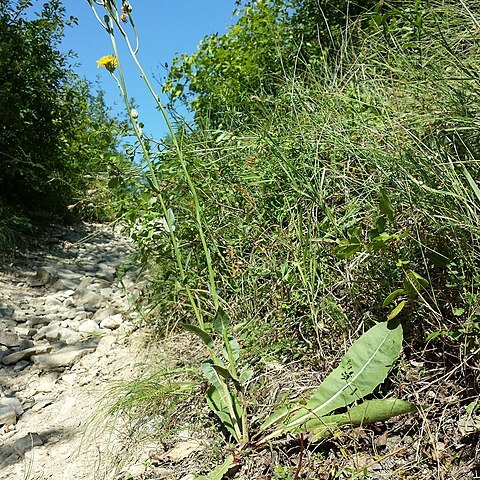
column 109, row 62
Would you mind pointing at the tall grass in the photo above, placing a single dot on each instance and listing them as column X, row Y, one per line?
column 396, row 108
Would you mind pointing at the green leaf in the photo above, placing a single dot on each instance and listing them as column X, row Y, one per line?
column 364, row 366
column 386, row 206
column 220, row 471
column 380, row 224
column 393, row 296
column 396, row 310
column 346, row 249
column 474, row 186
column 211, row 374
column 367, row 412
column 218, row 402
column 221, row 321
column 413, row 283
column 245, row 376
column 207, row 339
column 235, row 347
column 225, row 373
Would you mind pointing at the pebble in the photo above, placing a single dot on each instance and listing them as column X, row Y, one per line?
column 65, row 357
column 27, row 353
column 26, row 443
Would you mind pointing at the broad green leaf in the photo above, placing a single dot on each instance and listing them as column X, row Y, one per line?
column 346, row 249
column 211, row 374
column 218, row 403
column 221, row 321
column 386, row 206
column 380, row 224
column 396, row 310
column 235, row 347
column 220, row 471
column 367, row 412
column 364, row 366
column 207, row 339
column 225, row 373
column 393, row 296
column 413, row 283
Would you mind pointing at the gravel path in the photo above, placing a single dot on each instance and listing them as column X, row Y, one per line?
column 64, row 324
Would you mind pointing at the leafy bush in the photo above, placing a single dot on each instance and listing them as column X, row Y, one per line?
column 57, row 139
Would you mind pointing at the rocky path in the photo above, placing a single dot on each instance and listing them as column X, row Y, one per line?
column 64, row 321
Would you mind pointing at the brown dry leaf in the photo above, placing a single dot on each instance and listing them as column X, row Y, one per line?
column 182, row 450
column 382, row 441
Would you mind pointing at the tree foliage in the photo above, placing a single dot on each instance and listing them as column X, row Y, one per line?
column 55, row 134
column 231, row 78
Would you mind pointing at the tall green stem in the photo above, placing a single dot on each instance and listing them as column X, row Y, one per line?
column 241, row 430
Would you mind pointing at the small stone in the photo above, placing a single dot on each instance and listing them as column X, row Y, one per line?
column 44, row 276
column 42, row 404
column 22, row 331
column 8, row 417
column 70, row 337
column 34, row 321
column 19, row 366
column 105, row 272
column 69, row 378
column 65, row 284
column 135, row 471
column 112, row 322
column 68, row 302
column 104, row 313
column 89, row 308
column 25, row 343
column 9, row 404
column 6, row 311
column 45, row 383
column 52, row 331
column 20, row 315
column 7, row 324
column 105, row 344
column 26, row 443
column 83, row 296
column 88, row 326
column 24, row 354
column 9, row 339
column 53, row 300
column 65, row 357
column 65, row 293
column 106, row 292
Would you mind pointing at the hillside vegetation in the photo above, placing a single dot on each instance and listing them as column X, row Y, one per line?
column 330, row 182
column 322, row 209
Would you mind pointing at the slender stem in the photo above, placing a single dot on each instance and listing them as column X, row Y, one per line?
column 122, row 85
column 181, row 158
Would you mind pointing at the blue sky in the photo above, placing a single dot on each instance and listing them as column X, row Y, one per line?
column 165, row 27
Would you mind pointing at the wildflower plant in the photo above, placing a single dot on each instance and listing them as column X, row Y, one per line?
column 109, row 62
column 224, row 396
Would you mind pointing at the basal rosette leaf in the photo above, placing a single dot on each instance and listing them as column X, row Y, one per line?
column 365, row 366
